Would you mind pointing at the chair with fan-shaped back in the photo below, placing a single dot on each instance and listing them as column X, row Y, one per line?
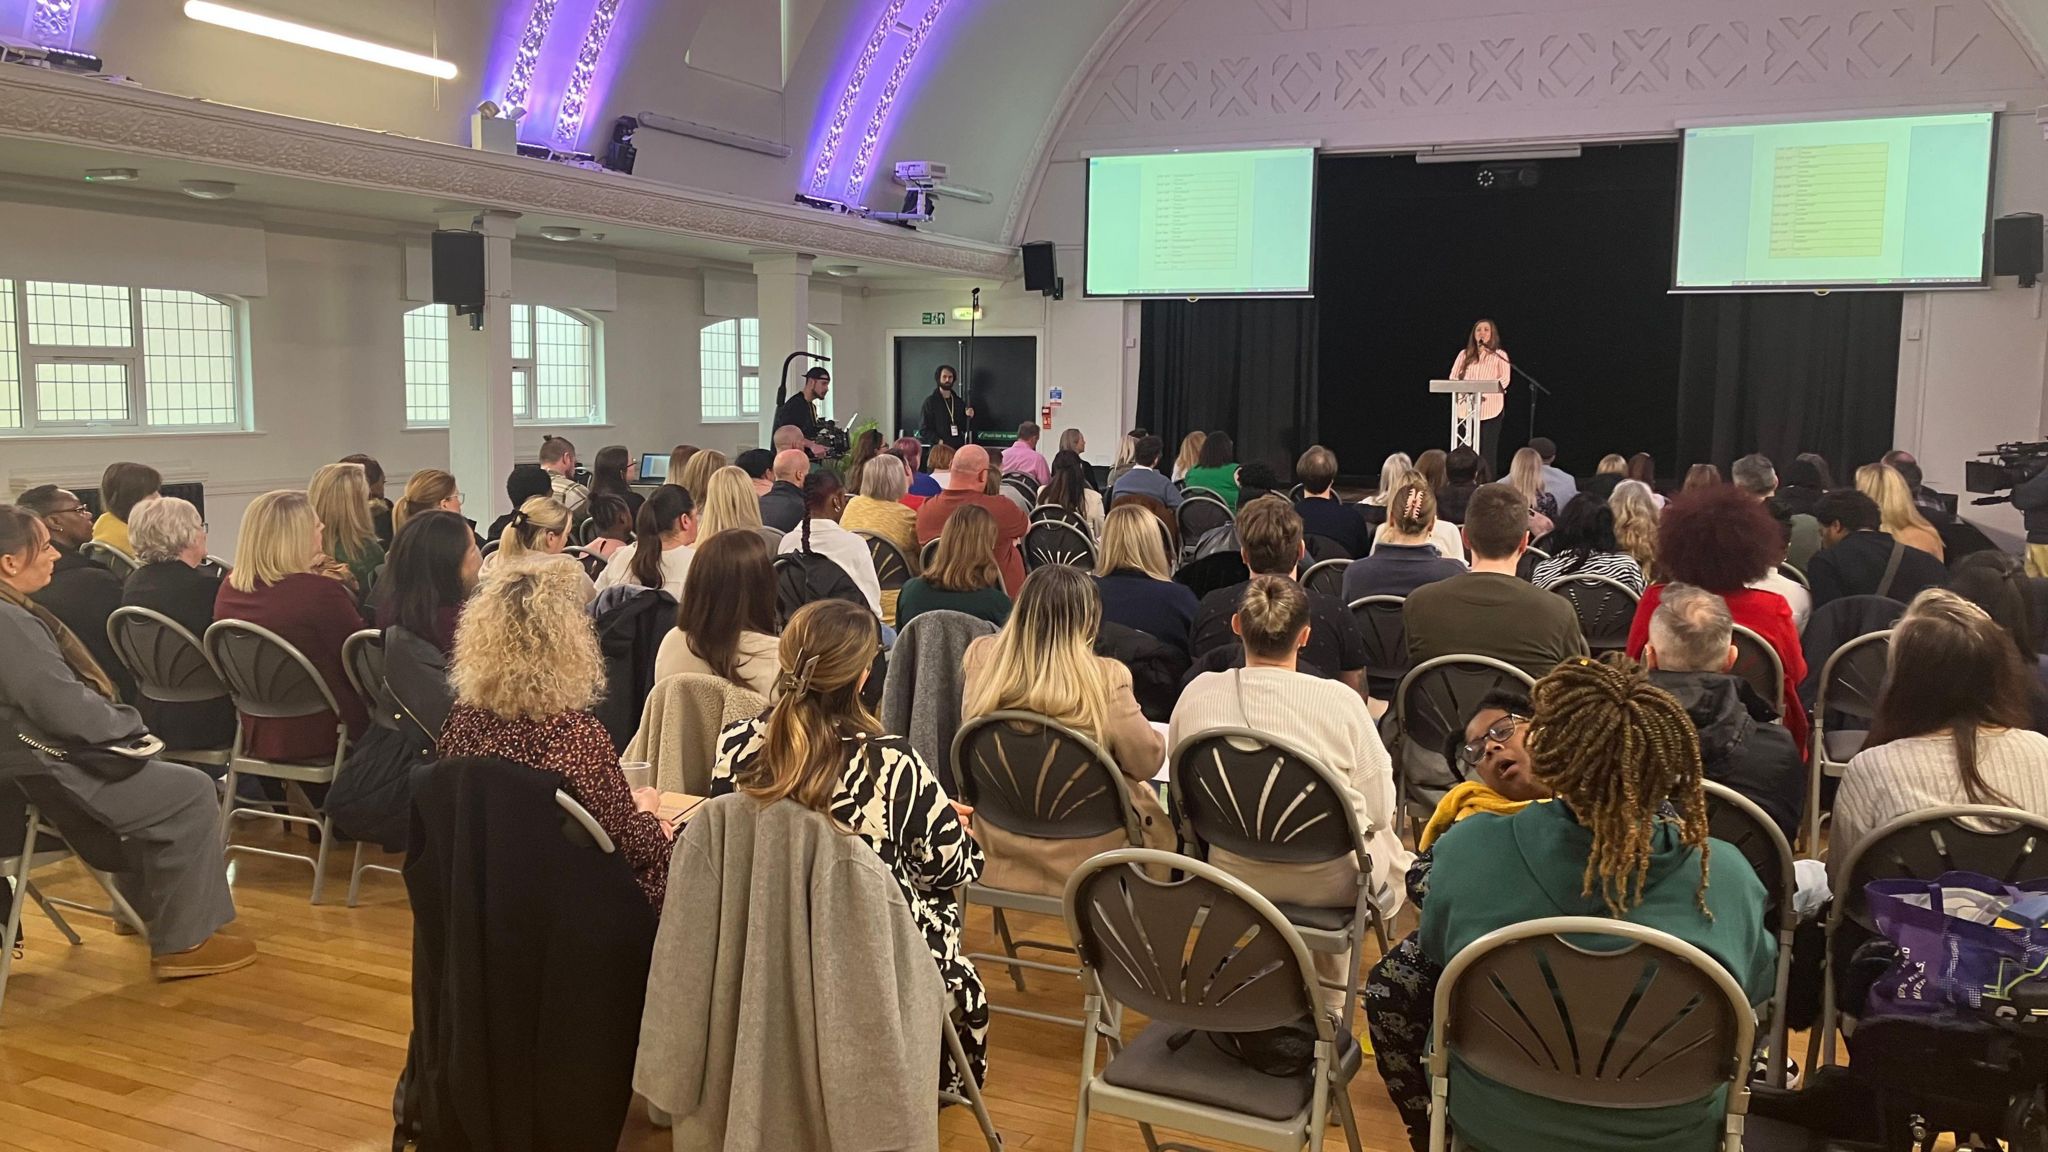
column 891, row 568
column 1063, row 515
column 1326, row 576
column 1200, row 514
column 592, row 563
column 362, row 657
column 109, row 557
column 928, row 554
column 1605, row 608
column 1738, row 820
column 1759, row 666
column 1058, row 542
column 1434, row 700
column 170, row 667
column 583, row 532
column 1850, row 682
column 1385, row 633
column 1794, row 575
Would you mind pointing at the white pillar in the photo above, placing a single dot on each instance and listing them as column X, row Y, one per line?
column 480, row 449
column 783, row 301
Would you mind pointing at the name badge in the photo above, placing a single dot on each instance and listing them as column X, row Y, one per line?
column 954, row 430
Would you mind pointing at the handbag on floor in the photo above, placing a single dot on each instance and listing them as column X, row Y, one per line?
column 1967, row 942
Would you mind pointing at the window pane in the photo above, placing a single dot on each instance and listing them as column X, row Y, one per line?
column 519, row 393
column 188, row 358
column 562, row 366
column 78, row 315
column 750, row 359
column 718, row 371
column 819, row 344
column 81, row 393
column 10, row 360
column 522, row 332
column 426, row 365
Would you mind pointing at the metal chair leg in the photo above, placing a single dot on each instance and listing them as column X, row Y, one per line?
column 49, row 909
column 1009, row 948
column 320, row 857
column 355, row 875
column 971, row 1088
column 20, row 897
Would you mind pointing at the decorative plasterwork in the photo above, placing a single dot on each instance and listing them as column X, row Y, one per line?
column 42, row 106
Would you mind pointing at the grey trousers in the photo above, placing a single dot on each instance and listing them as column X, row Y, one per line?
column 170, row 814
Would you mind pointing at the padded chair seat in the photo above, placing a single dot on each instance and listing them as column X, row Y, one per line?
column 1201, row 1072
column 1843, row 746
column 1322, row 919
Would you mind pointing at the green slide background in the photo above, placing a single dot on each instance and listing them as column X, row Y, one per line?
column 1201, row 223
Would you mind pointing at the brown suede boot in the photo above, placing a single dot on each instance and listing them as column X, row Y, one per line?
column 221, row 953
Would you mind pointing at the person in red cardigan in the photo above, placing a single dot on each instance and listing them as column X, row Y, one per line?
column 277, row 585
column 1720, row 539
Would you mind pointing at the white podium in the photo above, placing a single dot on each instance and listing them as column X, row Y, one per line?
column 1467, row 398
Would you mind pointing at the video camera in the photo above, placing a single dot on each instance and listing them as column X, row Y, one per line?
column 2004, row 468
column 836, row 443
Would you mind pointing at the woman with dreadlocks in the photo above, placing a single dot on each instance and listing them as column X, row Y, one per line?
column 1626, row 837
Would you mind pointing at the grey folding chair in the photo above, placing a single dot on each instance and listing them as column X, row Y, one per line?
column 169, row 667
column 1259, row 798
column 1759, row 665
column 270, row 679
column 1655, row 1023
column 1435, row 699
column 1201, row 513
column 2003, row 843
column 1326, row 576
column 30, row 838
column 1386, row 642
column 1605, row 608
column 1058, row 542
column 109, row 557
column 1035, row 777
column 1850, row 682
column 1736, row 819
column 362, row 657
column 1201, row 957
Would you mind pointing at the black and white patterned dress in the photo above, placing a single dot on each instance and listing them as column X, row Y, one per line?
column 888, row 797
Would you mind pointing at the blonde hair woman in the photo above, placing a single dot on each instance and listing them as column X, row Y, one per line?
column 964, row 575
column 1409, row 550
column 525, row 671
column 274, row 586
column 1525, row 475
column 537, row 533
column 820, row 746
column 1044, row 661
column 1190, row 454
column 1635, row 523
column 1126, row 458
column 1612, row 464
column 729, row 503
column 426, row 490
column 1896, row 515
column 1393, row 470
column 340, row 494
column 1136, row 581
column 697, row 472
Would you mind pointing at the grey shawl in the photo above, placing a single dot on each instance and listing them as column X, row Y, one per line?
column 921, row 694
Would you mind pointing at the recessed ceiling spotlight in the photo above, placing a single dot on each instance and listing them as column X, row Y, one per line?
column 111, row 175
column 841, row 269
column 560, row 233
column 206, row 189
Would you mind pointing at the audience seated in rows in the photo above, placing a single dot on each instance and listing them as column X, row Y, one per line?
column 52, row 691
column 80, row 592
column 1443, row 534
column 537, row 534
column 1756, row 475
column 1489, row 611
column 1407, row 555
column 1897, row 516
column 380, row 507
column 1126, row 456
column 1322, row 718
column 1636, row 514
column 1525, row 475
column 1722, row 540
column 1807, row 478
column 122, row 486
column 1143, row 477
column 1556, row 481
column 661, row 551
column 1188, row 455
column 966, row 482
column 1642, row 468
column 1043, row 661
column 1607, row 476
column 1858, row 558
column 1952, row 726
column 612, row 472
column 782, row 506
column 1023, row 458
column 1700, row 476
column 1071, row 491
column 1135, row 580
column 821, row 534
column 427, row 490
column 175, row 580
column 526, row 482
column 434, row 566
column 1583, row 544
column 820, row 746
column 730, row 504
column 1461, row 480
column 725, row 619
column 526, row 671
column 963, row 576
column 1689, row 655
column 1798, row 597
column 1216, row 468
column 558, row 457
column 274, row 585
column 1270, row 541
column 878, row 509
column 1322, row 512
column 695, row 475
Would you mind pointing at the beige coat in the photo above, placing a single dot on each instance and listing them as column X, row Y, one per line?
column 679, row 728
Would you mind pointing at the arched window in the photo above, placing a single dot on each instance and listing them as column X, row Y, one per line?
column 554, row 366
column 75, row 357
column 729, row 370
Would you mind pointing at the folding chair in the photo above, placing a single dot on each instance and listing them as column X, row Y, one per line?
column 583, row 532
column 1921, row 846
column 891, row 568
column 1057, row 542
column 927, row 554
column 269, row 678
column 489, row 547
column 109, row 557
column 1849, row 685
column 1200, row 514
column 592, row 563
column 1200, row 957
column 1194, row 490
column 1605, row 608
column 1061, row 515
column 362, row 657
column 1794, row 575
column 1034, row 777
column 169, row 667
column 1736, row 819
column 31, row 804
column 1259, row 798
column 1657, row 1023
column 1759, row 665
column 1386, row 642
column 1326, row 576
column 1435, row 699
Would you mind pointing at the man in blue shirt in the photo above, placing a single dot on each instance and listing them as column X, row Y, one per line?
column 1145, row 478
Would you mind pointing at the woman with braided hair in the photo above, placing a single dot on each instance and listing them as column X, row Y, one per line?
column 1626, row 837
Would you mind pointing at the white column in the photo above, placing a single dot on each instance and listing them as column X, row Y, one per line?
column 783, row 301
column 480, row 449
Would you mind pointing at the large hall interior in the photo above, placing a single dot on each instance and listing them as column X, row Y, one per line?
column 1105, row 574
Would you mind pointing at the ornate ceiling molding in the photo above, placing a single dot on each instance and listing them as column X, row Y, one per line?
column 36, row 105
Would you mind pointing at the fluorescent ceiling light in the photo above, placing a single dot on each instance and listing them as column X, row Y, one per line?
column 257, row 24
column 1452, row 154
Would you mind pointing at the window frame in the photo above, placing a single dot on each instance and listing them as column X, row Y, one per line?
column 523, row 388
column 817, row 340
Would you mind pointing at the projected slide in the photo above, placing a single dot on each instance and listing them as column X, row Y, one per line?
column 1894, row 202
column 1201, row 223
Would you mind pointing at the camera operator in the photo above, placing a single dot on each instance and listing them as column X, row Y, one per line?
column 2031, row 498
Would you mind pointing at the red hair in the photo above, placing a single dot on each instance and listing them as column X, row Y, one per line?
column 1718, row 538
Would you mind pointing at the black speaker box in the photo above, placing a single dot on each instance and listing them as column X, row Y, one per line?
column 459, row 269
column 2016, row 246
column 1041, row 268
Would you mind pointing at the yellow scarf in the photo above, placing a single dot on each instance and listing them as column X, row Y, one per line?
column 1460, row 802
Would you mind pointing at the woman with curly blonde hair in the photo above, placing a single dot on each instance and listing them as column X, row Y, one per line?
column 526, row 670
column 1635, row 523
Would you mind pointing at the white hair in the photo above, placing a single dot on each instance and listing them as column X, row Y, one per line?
column 1691, row 630
column 161, row 529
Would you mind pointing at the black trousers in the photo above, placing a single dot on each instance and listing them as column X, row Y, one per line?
column 1489, row 446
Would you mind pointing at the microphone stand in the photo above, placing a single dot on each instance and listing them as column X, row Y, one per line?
column 1537, row 390
column 967, row 402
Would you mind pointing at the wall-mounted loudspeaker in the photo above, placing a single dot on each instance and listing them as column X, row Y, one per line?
column 1042, row 270
column 2016, row 247
column 459, row 270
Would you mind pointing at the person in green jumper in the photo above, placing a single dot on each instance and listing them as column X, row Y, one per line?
column 1627, row 838
column 964, row 575
column 1216, row 469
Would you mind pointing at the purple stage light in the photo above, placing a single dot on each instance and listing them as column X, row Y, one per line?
column 842, row 113
column 50, row 22
column 527, row 57
column 879, row 119
column 569, row 123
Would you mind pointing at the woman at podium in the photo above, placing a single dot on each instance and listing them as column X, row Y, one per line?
column 1482, row 359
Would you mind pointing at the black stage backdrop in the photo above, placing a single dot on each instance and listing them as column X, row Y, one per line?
column 1576, row 271
column 1785, row 373
column 1246, row 367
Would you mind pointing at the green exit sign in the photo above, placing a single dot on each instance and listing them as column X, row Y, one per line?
column 933, row 317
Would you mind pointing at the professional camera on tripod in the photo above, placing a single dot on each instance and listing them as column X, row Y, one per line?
column 1997, row 472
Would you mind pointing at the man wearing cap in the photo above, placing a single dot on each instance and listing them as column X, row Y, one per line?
column 967, row 483
column 800, row 410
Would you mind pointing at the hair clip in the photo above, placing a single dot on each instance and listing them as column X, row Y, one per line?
column 798, row 682
column 520, row 519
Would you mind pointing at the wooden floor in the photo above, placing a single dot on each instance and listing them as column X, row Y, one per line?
column 300, row 1051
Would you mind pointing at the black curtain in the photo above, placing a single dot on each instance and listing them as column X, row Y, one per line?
column 1785, row 373
column 1247, row 367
